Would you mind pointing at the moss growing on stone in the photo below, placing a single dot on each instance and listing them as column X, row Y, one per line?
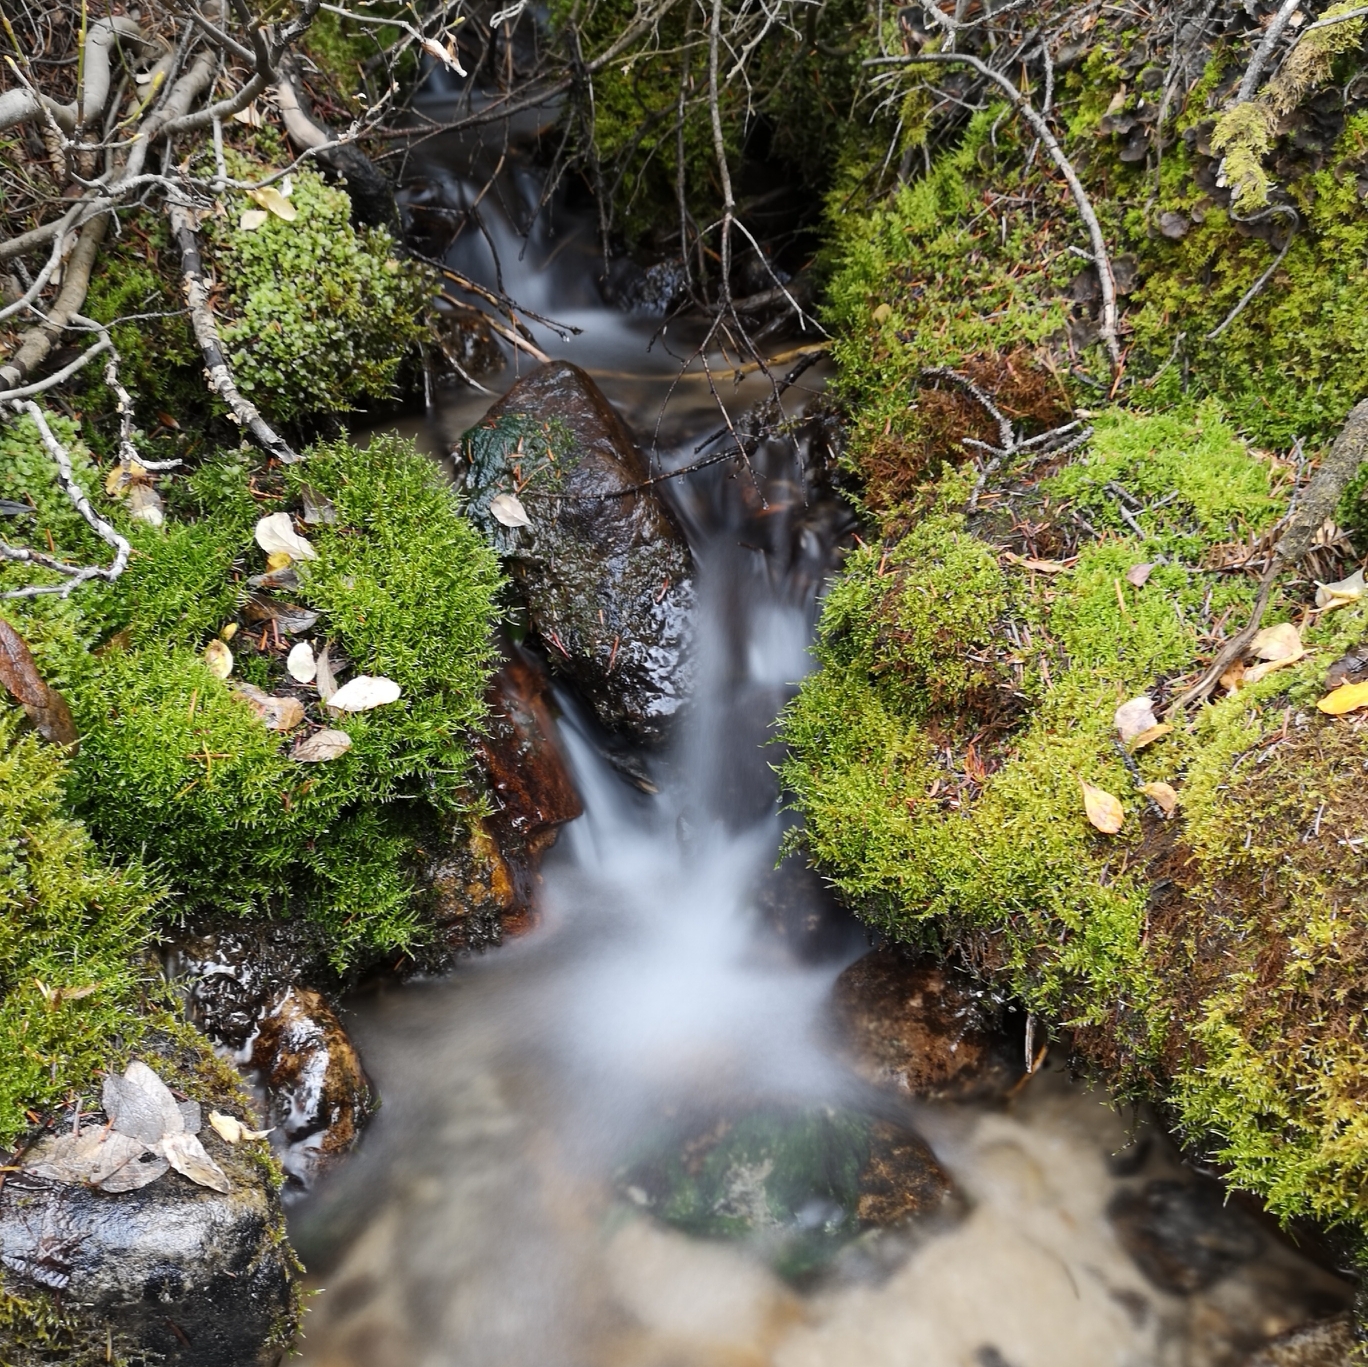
column 71, row 927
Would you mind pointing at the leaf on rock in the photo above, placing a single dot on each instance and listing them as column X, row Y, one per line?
column 1282, row 642
column 300, row 663
column 231, row 1130
column 1138, row 575
column 186, row 1154
column 1163, row 795
column 508, row 510
column 317, row 507
column 321, row 747
column 140, row 1105
column 279, row 713
column 97, row 1157
column 324, row 678
column 276, row 533
column 46, row 708
column 1345, row 698
column 1135, row 717
column 1104, row 811
column 219, row 659
column 363, row 693
column 1341, row 594
column 271, row 198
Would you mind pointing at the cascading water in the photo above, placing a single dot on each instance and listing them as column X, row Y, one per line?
column 490, row 1219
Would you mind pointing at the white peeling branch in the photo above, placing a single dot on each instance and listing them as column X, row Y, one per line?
column 216, row 368
column 1101, row 257
column 76, row 575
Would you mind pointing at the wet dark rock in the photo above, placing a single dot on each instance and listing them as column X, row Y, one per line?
column 803, row 1184
column 606, row 575
column 923, row 1029
column 1326, row 1343
column 523, row 761
column 801, row 915
column 174, row 1273
column 1182, row 1235
column 318, row 1094
column 650, row 291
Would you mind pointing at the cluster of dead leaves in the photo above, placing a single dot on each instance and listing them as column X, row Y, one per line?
column 1136, row 727
column 148, row 1133
column 284, row 547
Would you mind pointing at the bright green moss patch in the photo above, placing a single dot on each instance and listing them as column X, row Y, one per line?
column 318, row 314
column 176, row 769
column 71, row 928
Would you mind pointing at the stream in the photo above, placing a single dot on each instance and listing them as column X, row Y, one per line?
column 490, row 1217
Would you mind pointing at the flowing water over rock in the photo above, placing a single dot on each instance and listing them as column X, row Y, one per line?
column 628, row 1138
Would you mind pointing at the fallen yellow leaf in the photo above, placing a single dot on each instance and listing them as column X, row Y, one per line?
column 1281, row 642
column 1149, row 736
column 1345, row 698
column 271, row 198
column 1104, row 811
column 1162, row 794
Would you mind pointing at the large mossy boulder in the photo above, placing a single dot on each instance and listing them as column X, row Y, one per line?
column 605, row 573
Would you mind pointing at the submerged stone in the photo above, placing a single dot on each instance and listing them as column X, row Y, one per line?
column 923, row 1029
column 605, row 573
column 802, row 1184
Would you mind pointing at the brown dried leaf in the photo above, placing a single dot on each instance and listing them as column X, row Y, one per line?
column 324, row 678
column 1149, row 736
column 1138, row 575
column 1233, row 677
column 321, row 747
column 1103, row 810
column 140, row 1105
column 1041, row 566
column 288, row 617
column 46, row 708
column 279, row 713
column 97, row 1157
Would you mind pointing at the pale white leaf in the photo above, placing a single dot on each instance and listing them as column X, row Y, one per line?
column 231, row 1130
column 301, row 664
column 321, row 746
column 140, row 1105
column 186, row 1154
column 97, row 1157
column 507, row 510
column 145, row 505
column 363, row 693
column 276, row 535
column 1342, row 593
column 1135, row 717
column 1281, row 642
column 252, row 219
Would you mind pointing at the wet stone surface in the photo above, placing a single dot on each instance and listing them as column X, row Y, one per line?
column 182, row 1275
column 318, row 1094
column 801, row 1184
column 605, row 573
column 1327, row 1343
column 924, row 1029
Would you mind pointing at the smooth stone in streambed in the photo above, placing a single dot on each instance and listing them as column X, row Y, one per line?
column 606, row 574
column 177, row 1274
column 802, row 1183
column 1326, row 1343
column 318, row 1094
column 923, row 1029
column 1183, row 1235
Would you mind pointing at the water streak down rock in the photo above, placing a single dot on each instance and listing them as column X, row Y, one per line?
column 606, row 575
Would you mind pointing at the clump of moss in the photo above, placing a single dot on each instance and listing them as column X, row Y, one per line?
column 175, row 766
column 317, row 314
column 71, row 928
